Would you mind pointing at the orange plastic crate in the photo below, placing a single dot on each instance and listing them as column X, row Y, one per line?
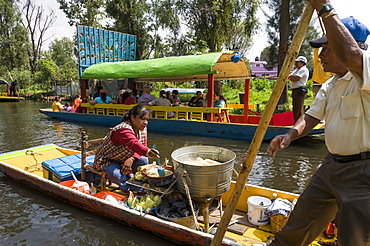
column 101, row 195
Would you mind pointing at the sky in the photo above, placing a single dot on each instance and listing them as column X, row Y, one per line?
column 344, row 8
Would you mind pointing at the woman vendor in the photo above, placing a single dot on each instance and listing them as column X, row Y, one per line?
column 124, row 148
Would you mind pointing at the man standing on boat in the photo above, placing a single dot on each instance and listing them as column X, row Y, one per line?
column 340, row 188
column 299, row 78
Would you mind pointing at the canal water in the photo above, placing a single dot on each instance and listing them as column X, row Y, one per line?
column 29, row 217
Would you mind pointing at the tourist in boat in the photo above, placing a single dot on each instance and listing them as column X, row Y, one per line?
column 68, row 108
column 162, row 101
column 197, row 100
column 298, row 79
column 132, row 99
column 219, row 101
column 102, row 99
column 97, row 94
column 146, row 97
column 124, row 148
column 340, row 187
column 176, row 101
column 77, row 103
column 124, row 94
column 57, row 105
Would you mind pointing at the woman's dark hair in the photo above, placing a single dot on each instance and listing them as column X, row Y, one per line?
column 103, row 97
column 162, row 93
column 124, row 96
column 57, row 98
column 138, row 110
column 221, row 97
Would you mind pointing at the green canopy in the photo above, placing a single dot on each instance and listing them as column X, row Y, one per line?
column 179, row 68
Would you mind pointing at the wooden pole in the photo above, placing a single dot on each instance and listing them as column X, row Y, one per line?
column 262, row 127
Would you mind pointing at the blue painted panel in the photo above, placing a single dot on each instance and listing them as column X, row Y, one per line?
column 97, row 45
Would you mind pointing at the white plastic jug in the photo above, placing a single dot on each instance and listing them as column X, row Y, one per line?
column 257, row 210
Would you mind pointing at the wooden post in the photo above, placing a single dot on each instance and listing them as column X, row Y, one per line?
column 210, row 94
column 246, row 99
column 262, row 127
column 83, row 93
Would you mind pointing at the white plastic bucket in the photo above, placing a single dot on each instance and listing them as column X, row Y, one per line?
column 257, row 210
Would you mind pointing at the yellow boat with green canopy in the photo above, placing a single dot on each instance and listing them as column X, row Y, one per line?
column 179, row 68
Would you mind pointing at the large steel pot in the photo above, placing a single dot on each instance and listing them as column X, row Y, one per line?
column 205, row 181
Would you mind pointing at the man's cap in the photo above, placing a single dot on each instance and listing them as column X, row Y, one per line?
column 358, row 30
column 301, row 59
column 103, row 91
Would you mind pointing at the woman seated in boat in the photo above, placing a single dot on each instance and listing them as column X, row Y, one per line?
column 102, row 99
column 124, row 148
column 162, row 101
column 197, row 100
column 123, row 96
column 77, row 103
column 132, row 99
column 219, row 101
column 57, row 106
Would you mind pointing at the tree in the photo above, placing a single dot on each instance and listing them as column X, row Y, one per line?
column 82, row 12
column 221, row 23
column 36, row 23
column 46, row 74
column 13, row 39
column 281, row 26
column 61, row 53
column 147, row 20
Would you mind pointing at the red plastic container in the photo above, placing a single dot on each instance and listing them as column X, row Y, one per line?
column 67, row 183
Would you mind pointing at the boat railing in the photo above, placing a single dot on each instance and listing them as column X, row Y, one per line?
column 159, row 112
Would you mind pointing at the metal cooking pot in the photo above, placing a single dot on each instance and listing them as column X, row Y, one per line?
column 208, row 180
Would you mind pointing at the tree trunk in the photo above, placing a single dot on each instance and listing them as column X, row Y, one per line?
column 283, row 46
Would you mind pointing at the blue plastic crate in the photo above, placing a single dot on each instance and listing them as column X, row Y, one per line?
column 59, row 169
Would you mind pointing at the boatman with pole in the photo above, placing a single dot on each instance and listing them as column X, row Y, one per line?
column 340, row 188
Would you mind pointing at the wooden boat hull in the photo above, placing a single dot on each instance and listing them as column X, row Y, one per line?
column 165, row 229
column 211, row 129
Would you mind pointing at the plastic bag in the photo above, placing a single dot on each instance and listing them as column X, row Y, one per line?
column 279, row 206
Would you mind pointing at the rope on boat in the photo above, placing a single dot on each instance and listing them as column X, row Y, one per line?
column 36, row 166
column 183, row 177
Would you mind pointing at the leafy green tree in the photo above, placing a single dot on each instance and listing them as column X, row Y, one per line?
column 46, row 74
column 281, row 26
column 221, row 23
column 61, row 53
column 148, row 20
column 82, row 12
column 13, row 39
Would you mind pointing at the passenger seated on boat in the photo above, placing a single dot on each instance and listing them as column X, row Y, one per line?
column 175, row 98
column 162, row 101
column 96, row 94
column 68, row 108
column 77, row 103
column 197, row 100
column 146, row 97
column 102, row 99
column 219, row 101
column 124, row 94
column 57, row 106
column 132, row 99
column 124, row 148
